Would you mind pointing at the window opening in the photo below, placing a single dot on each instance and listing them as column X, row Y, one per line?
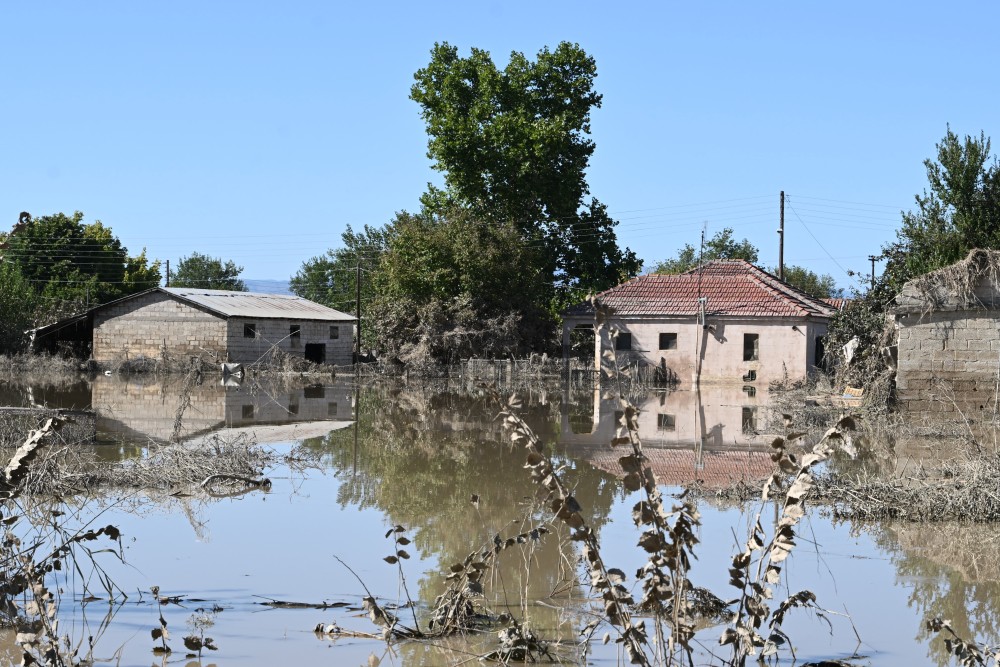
column 750, row 347
column 668, row 341
column 623, row 341
column 295, row 333
column 749, row 421
column 250, row 330
column 666, row 422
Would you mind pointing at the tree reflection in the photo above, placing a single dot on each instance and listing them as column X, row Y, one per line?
column 420, row 457
column 953, row 570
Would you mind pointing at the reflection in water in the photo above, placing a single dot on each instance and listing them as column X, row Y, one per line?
column 142, row 408
column 419, row 459
column 415, row 458
column 953, row 570
column 708, row 436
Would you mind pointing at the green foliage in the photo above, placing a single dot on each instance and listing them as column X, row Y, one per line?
column 455, row 284
column 819, row 286
column 720, row 246
column 961, row 211
column 18, row 302
column 206, row 272
column 331, row 278
column 513, row 146
column 70, row 265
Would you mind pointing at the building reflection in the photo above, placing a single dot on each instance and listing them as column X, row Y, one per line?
column 143, row 409
column 710, row 436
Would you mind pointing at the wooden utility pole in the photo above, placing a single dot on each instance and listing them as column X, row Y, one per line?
column 357, row 310
column 873, row 258
column 168, row 273
column 781, row 240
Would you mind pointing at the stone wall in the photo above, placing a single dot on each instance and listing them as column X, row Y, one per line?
column 151, row 324
column 948, row 362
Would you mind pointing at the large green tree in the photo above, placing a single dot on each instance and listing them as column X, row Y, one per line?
column 331, row 278
column 958, row 211
column 454, row 285
column 18, row 303
column 513, row 145
column 198, row 270
column 72, row 264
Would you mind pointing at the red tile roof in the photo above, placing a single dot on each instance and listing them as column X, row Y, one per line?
column 732, row 287
column 679, row 467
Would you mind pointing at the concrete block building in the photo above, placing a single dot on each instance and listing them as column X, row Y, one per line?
column 724, row 322
column 948, row 336
column 218, row 325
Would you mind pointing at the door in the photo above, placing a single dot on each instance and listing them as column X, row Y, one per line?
column 316, row 353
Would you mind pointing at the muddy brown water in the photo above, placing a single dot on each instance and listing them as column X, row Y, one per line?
column 410, row 456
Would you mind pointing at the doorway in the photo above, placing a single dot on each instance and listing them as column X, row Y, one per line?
column 316, row 353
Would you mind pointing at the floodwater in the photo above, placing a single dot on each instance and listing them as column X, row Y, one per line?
column 385, row 456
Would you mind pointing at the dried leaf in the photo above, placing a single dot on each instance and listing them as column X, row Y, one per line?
column 402, row 554
column 391, row 560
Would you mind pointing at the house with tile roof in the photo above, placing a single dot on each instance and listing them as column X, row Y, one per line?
column 727, row 321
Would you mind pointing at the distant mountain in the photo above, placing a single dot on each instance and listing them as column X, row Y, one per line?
column 267, row 286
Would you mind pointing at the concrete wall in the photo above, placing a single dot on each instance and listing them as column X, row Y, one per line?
column 781, row 349
column 152, row 324
column 275, row 333
column 726, row 417
column 136, row 409
column 147, row 325
column 948, row 362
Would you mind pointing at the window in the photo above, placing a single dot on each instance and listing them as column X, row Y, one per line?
column 749, row 421
column 314, row 391
column 331, row 409
column 623, row 341
column 668, row 341
column 334, row 333
column 248, row 412
column 665, row 422
column 293, row 408
column 295, row 334
column 750, row 347
column 250, row 330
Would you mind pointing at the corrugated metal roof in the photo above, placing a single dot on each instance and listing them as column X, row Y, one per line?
column 255, row 305
column 732, row 287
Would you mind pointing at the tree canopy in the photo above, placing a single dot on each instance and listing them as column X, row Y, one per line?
column 62, row 265
column 514, row 146
column 957, row 212
column 198, row 270
column 720, row 246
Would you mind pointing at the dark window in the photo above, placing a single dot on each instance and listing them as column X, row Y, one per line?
column 295, row 333
column 749, row 421
column 334, row 333
column 314, row 391
column 750, row 345
column 623, row 341
column 666, row 422
column 247, row 412
column 331, row 409
column 249, row 330
column 668, row 341
column 293, row 408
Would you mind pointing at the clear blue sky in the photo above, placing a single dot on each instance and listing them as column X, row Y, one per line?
column 257, row 131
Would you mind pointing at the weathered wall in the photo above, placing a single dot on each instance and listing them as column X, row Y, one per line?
column 275, row 334
column 781, row 349
column 149, row 324
column 676, row 419
column 948, row 362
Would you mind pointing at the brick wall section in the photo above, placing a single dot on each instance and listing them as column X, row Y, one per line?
column 275, row 333
column 151, row 323
column 948, row 361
